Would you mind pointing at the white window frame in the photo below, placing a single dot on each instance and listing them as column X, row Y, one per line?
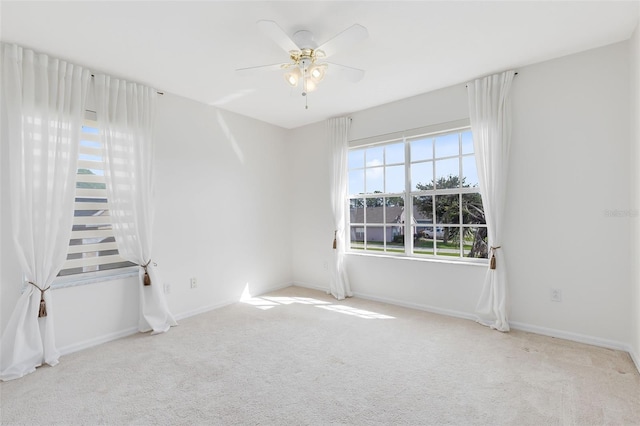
column 406, row 137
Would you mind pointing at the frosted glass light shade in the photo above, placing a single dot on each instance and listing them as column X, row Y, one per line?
column 293, row 77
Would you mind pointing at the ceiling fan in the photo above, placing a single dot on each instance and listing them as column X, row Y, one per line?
column 307, row 63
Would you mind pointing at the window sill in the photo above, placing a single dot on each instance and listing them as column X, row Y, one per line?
column 74, row 281
column 461, row 261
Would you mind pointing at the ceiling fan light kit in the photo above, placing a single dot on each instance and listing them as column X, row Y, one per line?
column 305, row 66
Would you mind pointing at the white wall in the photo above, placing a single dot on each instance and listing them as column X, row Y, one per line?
column 569, row 166
column 222, row 213
column 222, row 216
column 568, row 222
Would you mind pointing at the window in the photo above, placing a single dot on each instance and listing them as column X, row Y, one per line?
column 424, row 186
column 92, row 248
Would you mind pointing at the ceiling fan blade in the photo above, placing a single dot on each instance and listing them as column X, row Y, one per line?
column 277, row 34
column 260, row 68
column 353, row 75
column 344, row 40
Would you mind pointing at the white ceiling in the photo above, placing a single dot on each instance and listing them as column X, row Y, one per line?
column 192, row 48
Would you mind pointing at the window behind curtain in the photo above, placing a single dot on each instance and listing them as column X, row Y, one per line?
column 92, row 248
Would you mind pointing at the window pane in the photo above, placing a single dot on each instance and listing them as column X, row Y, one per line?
column 423, row 244
column 91, row 157
column 447, row 145
column 447, row 209
column 357, row 237
column 434, row 232
column 476, row 243
column 422, row 176
column 394, row 179
column 467, row 142
column 469, row 172
column 394, row 153
column 356, row 182
column 356, row 159
column 375, row 180
column 394, row 211
column 423, row 209
column 356, row 210
column 375, row 210
column 395, row 239
column 450, row 243
column 421, row 149
column 472, row 210
column 90, row 144
column 375, row 156
column 448, row 173
column 394, row 201
column 375, row 238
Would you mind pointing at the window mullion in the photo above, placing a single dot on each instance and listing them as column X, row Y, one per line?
column 408, row 203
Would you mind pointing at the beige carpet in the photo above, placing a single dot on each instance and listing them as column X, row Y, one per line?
column 298, row 357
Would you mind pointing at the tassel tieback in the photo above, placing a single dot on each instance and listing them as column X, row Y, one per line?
column 147, row 279
column 492, row 262
column 335, row 241
column 42, row 312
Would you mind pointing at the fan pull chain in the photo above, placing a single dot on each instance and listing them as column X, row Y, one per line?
column 304, row 87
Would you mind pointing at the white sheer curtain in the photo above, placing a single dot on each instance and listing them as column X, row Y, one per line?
column 44, row 100
column 490, row 114
column 125, row 114
column 338, row 129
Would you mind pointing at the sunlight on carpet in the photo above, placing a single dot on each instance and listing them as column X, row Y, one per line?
column 266, row 303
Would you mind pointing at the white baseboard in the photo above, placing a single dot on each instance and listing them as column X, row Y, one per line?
column 219, row 305
column 636, row 359
column 396, row 302
column 311, row 286
column 574, row 337
column 418, row 306
column 86, row 344
column 202, row 310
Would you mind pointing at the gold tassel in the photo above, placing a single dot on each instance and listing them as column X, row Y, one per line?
column 42, row 312
column 146, row 280
column 492, row 262
column 43, row 307
column 335, row 241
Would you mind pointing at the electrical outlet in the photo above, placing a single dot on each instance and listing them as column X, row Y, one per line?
column 194, row 283
column 556, row 295
column 167, row 288
column 325, row 265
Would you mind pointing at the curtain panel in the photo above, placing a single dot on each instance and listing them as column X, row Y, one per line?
column 44, row 102
column 125, row 113
column 338, row 129
column 490, row 115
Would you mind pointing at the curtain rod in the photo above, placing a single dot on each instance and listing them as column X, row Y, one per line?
column 159, row 93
